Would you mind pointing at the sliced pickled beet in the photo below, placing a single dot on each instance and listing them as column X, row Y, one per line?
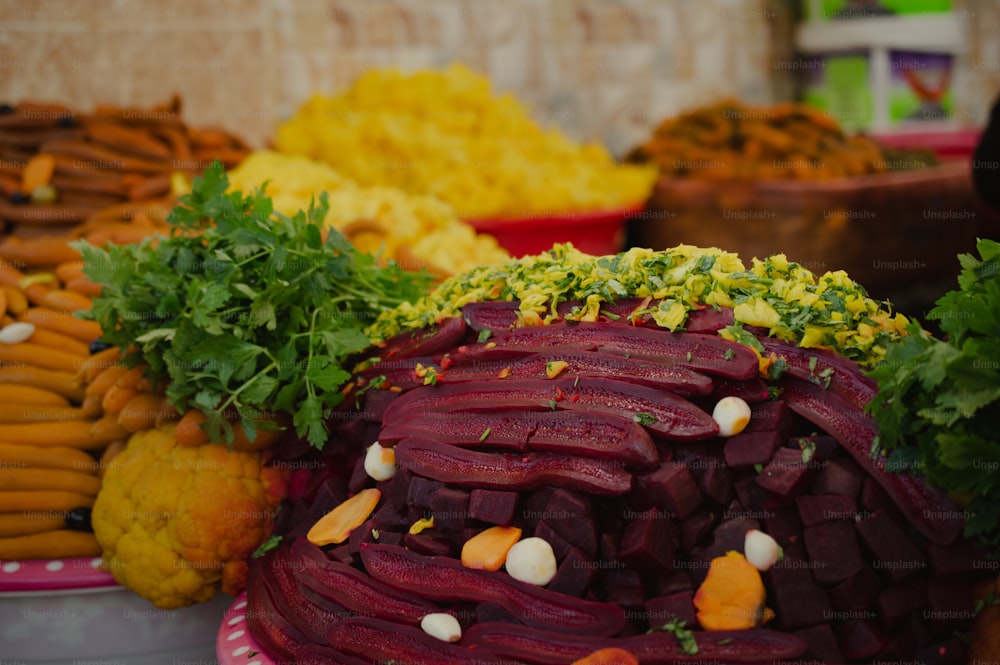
column 708, row 353
column 446, row 579
column 822, row 366
column 662, row 412
column 489, row 364
column 386, row 642
column 266, row 621
column 588, row 434
column 355, row 591
column 502, row 471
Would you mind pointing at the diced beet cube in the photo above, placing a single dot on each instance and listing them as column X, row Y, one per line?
column 729, row 535
column 574, row 575
column 491, row 612
column 376, row 402
column 668, row 583
column 395, row 490
column 874, row 498
column 823, row 447
column 533, row 508
column 818, row 508
column 568, row 513
column 770, row 416
column 784, row 526
column 950, row 604
column 608, row 546
column 649, row 544
column 493, row 506
column 424, row 543
column 609, row 513
column 898, row 602
column 389, row 537
column 560, row 546
column 822, row 643
column 859, row 640
column 857, row 593
column 622, row 586
column 672, row 488
column 840, row 475
column 714, row 479
column 359, row 477
column 388, row 517
column 420, row 490
column 341, row 553
column 787, row 474
column 894, row 554
column 833, row 546
column 753, row 497
column 361, row 534
column 695, row 527
column 746, row 449
column 664, row 609
column 949, row 652
column 450, row 508
column 960, row 558
column 796, row 599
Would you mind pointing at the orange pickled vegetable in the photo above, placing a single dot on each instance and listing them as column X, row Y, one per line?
column 732, row 595
column 487, row 550
column 335, row 527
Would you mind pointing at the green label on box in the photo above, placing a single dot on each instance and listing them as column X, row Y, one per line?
column 853, row 9
column 840, row 88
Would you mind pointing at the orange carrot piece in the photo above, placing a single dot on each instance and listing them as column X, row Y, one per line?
column 336, row 525
column 38, row 171
column 487, row 550
column 609, row 656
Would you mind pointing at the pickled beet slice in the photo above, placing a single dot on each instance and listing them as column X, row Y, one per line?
column 264, row 620
column 584, row 433
column 445, row 579
column 820, row 365
column 278, row 570
column 447, row 334
column 657, row 648
column 662, row 412
column 928, row 509
column 708, row 353
column 467, row 468
column 352, row 589
column 489, row 364
column 387, row 642
column 316, row 654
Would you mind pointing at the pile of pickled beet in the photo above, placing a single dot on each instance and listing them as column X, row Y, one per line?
column 617, row 463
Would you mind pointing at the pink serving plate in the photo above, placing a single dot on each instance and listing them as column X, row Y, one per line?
column 235, row 643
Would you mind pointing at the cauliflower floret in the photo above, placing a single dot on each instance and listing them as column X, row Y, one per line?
column 177, row 523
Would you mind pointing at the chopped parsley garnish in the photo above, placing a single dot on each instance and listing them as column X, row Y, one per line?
column 644, row 418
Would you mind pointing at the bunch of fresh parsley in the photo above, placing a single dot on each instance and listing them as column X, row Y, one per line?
column 938, row 405
column 244, row 310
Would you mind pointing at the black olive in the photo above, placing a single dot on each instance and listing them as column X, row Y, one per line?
column 19, row 197
column 98, row 345
column 66, row 121
column 6, row 109
column 78, row 519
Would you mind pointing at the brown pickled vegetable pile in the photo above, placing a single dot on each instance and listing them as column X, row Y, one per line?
column 731, row 141
column 598, row 439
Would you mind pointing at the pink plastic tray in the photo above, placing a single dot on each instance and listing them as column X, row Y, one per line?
column 47, row 575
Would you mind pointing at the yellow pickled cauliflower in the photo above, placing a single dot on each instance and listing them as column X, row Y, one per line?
column 177, row 523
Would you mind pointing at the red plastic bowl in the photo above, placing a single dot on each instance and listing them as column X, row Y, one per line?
column 599, row 232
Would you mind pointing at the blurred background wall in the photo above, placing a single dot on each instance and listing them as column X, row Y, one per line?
column 600, row 69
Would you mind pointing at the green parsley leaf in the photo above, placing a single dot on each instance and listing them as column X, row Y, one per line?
column 685, row 637
column 243, row 310
column 265, row 547
column 939, row 399
column 484, row 335
column 486, row 433
column 644, row 418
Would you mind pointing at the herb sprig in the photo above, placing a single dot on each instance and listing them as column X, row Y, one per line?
column 244, row 310
column 938, row 403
